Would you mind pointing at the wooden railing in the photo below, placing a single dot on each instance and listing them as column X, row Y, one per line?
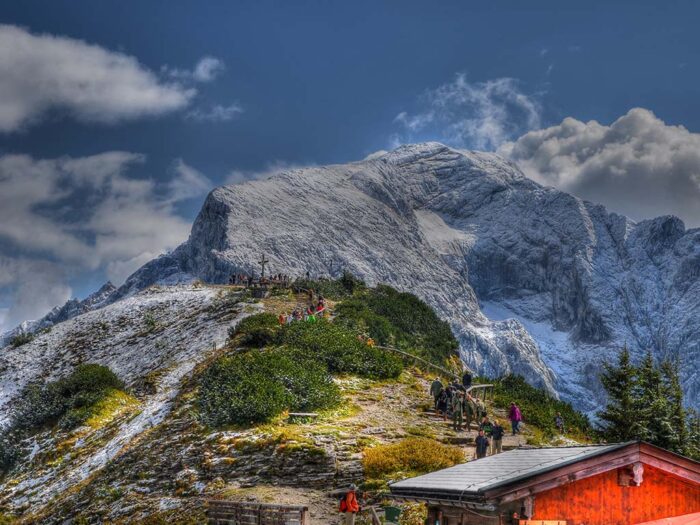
column 424, row 362
column 484, row 391
column 222, row 512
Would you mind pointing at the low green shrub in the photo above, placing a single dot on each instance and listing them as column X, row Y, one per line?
column 21, row 339
column 538, row 407
column 69, row 402
column 335, row 289
column 255, row 386
column 397, row 318
column 340, row 349
column 257, row 330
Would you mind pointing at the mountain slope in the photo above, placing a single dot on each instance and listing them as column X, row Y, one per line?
column 532, row 280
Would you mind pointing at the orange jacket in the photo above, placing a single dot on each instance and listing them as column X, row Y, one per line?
column 349, row 503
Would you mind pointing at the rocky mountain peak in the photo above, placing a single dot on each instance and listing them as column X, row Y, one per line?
column 533, row 281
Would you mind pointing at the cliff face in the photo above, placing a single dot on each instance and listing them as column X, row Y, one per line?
column 533, row 280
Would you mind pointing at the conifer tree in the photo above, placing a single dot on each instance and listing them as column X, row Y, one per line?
column 677, row 415
column 651, row 405
column 618, row 420
column 646, row 402
column 692, row 449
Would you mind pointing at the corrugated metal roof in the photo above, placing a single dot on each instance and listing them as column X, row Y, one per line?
column 492, row 471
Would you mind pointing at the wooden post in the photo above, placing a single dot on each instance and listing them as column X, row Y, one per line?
column 305, row 519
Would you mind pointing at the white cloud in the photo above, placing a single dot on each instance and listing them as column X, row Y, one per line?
column 638, row 165
column 67, row 215
column 205, row 70
column 33, row 288
column 479, row 115
column 188, row 182
column 41, row 73
column 216, row 113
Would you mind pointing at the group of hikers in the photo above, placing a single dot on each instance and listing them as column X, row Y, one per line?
column 312, row 313
column 242, row 279
column 455, row 401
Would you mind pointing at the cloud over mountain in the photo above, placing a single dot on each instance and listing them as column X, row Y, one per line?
column 41, row 73
column 639, row 165
column 477, row 115
column 67, row 215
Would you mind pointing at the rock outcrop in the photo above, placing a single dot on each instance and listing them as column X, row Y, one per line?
column 532, row 280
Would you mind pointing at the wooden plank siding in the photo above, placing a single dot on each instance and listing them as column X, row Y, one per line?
column 600, row 500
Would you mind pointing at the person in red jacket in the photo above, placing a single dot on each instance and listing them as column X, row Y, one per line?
column 349, row 505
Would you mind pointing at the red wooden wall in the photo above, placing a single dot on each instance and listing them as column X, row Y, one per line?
column 599, row 500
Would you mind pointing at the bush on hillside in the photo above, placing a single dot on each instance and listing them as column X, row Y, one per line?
column 335, row 289
column 410, row 456
column 538, row 407
column 21, row 339
column 257, row 330
column 401, row 319
column 340, row 349
column 255, row 386
column 67, row 400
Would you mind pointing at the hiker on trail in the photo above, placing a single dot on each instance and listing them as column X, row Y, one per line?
column 482, row 445
column 457, row 386
column 469, row 410
column 467, row 379
column 442, row 403
column 349, row 505
column 435, row 389
column 559, row 423
column 457, row 411
column 486, row 425
column 290, row 318
column 282, row 319
column 497, row 432
column 515, row 417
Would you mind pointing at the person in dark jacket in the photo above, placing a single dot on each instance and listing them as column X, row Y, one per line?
column 443, row 403
column 497, row 432
column 457, row 411
column 435, row 389
column 559, row 423
column 482, row 445
column 467, row 379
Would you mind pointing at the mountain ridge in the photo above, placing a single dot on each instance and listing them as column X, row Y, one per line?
column 532, row 280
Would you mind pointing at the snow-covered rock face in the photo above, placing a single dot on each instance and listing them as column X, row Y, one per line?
column 533, row 280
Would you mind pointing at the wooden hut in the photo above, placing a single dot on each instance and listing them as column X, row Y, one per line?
column 618, row 484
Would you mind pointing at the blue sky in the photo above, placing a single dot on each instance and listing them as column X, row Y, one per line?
column 296, row 83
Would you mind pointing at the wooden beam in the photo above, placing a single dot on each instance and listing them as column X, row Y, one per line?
column 674, row 470
column 670, row 457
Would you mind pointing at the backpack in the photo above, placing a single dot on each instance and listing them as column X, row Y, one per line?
column 344, row 504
